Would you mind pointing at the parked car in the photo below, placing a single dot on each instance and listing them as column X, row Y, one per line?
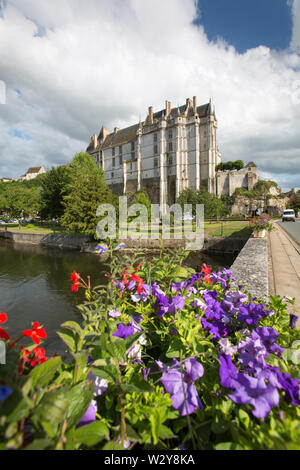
column 288, row 216
column 2, row 222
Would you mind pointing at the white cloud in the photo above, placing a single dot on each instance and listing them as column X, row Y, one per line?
column 80, row 64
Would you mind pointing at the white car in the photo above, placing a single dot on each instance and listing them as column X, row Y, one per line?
column 288, row 215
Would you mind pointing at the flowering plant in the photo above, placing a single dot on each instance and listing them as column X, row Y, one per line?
column 165, row 358
column 262, row 222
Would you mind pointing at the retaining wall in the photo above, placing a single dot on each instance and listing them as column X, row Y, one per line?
column 50, row 239
column 251, row 267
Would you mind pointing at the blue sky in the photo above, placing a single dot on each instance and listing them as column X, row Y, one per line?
column 246, row 24
column 70, row 67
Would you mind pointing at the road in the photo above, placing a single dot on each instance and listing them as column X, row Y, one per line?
column 292, row 228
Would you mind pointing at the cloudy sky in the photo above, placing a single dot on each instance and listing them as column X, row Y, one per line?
column 70, row 66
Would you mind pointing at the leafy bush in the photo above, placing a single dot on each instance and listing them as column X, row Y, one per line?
column 165, row 358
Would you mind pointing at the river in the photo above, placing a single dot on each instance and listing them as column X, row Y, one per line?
column 35, row 286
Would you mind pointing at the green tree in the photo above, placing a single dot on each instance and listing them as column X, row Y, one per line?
column 53, row 190
column 213, row 206
column 18, row 200
column 85, row 191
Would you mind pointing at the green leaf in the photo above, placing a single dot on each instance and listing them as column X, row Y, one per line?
column 174, row 348
column 69, row 339
column 42, row 374
column 15, row 407
column 180, row 273
column 39, row 444
column 79, row 398
column 109, row 373
column 155, row 425
column 91, row 434
column 138, row 384
column 244, row 417
column 113, row 446
column 73, row 326
column 52, row 409
column 117, row 350
column 129, row 342
column 228, row 446
column 165, row 432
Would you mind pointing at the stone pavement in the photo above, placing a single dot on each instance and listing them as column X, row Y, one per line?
column 284, row 267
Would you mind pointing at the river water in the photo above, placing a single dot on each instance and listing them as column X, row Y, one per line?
column 35, row 286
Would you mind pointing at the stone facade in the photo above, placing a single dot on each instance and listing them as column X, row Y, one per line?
column 228, row 181
column 173, row 149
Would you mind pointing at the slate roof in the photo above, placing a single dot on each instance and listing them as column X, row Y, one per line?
column 128, row 134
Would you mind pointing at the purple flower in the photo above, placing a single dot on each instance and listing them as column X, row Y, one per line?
column 293, row 321
column 114, row 313
column 218, row 329
column 145, row 373
column 290, row 386
column 197, row 303
column 90, row 414
column 165, row 305
column 251, row 313
column 268, row 336
column 252, row 354
column 124, row 331
column 179, row 383
column 5, row 392
column 228, row 371
column 254, row 391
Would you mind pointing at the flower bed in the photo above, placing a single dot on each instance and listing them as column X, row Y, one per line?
column 165, row 358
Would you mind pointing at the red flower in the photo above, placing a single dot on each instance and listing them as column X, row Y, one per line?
column 36, row 333
column 75, row 276
column 139, row 282
column 3, row 334
column 206, row 270
column 23, row 360
column 39, row 357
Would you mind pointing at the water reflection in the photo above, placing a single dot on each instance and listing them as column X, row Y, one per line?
column 35, row 286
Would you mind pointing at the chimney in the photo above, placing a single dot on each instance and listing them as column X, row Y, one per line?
column 168, row 108
column 195, row 104
column 150, row 114
column 103, row 134
column 116, row 129
column 188, row 102
column 95, row 141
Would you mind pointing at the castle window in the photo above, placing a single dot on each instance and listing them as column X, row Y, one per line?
column 132, row 146
column 113, row 161
column 170, row 146
column 155, row 162
column 170, row 134
column 132, row 155
column 120, row 159
column 155, row 149
column 120, row 149
column 113, row 151
column 155, row 137
column 112, row 174
column 170, row 160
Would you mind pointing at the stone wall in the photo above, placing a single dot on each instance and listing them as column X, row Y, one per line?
column 51, row 239
column 245, row 205
column 251, row 267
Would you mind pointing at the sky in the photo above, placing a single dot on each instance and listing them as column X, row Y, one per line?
column 67, row 67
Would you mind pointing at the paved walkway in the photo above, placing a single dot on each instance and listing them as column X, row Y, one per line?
column 284, row 267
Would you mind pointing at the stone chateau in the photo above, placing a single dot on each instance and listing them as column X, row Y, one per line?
column 173, row 149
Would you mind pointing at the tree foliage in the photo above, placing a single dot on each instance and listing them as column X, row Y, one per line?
column 85, row 191
column 237, row 165
column 54, row 188
column 213, row 206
